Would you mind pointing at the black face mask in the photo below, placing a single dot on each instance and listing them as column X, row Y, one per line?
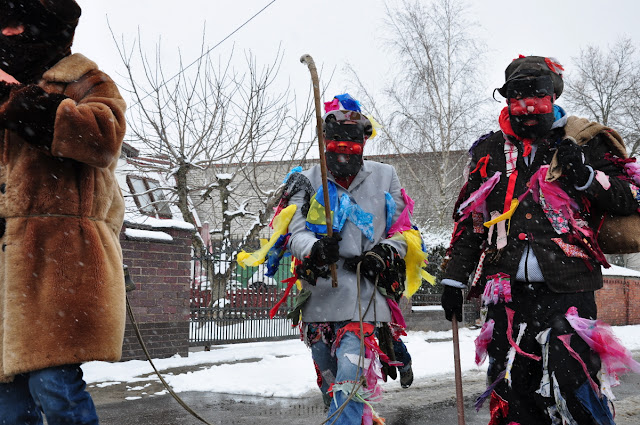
column 539, row 88
column 334, row 130
column 545, row 121
column 43, row 43
column 343, row 165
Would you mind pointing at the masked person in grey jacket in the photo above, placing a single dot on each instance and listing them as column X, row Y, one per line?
column 367, row 204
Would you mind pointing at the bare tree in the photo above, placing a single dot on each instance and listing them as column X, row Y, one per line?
column 435, row 103
column 209, row 125
column 605, row 88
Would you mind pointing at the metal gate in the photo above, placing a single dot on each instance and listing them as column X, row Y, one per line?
column 231, row 304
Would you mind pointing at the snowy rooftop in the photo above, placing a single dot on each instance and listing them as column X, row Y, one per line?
column 134, row 217
column 620, row 271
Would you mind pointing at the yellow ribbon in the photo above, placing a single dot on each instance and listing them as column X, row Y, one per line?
column 280, row 226
column 505, row 216
column 415, row 261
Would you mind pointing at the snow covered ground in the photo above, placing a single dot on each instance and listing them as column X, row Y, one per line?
column 285, row 369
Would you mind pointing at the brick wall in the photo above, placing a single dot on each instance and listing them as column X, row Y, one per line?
column 161, row 271
column 616, row 300
column 634, row 302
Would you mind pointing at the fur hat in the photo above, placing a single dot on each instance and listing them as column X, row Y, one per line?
column 67, row 11
column 534, row 66
column 343, row 107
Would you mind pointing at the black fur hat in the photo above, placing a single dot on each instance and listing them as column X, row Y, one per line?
column 67, row 11
column 534, row 66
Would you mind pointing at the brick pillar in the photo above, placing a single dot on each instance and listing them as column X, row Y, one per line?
column 633, row 286
column 161, row 270
column 612, row 300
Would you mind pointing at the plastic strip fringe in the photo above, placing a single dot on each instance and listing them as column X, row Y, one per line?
column 483, row 340
column 499, row 409
column 516, row 345
column 566, row 341
column 415, row 260
column 482, row 397
column 511, row 356
column 280, row 226
column 596, row 405
column 498, row 288
column 600, row 338
column 545, row 382
column 476, row 201
column 561, row 403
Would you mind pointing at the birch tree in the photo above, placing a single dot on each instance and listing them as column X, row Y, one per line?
column 434, row 103
column 604, row 87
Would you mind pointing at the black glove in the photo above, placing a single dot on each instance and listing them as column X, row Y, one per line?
column 326, row 250
column 5, row 90
column 31, row 112
column 384, row 263
column 572, row 163
column 452, row 302
column 373, row 261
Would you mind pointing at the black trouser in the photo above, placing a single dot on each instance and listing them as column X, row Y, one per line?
column 538, row 307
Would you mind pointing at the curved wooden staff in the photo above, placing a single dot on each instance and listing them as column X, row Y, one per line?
column 458, row 372
column 308, row 60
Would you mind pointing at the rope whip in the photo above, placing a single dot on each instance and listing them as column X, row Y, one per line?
column 166, row 385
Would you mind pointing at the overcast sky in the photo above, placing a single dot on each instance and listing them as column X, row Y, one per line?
column 336, row 32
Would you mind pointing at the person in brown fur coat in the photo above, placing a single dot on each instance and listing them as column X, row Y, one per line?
column 62, row 293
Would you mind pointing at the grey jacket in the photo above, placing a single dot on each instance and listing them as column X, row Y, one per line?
column 327, row 304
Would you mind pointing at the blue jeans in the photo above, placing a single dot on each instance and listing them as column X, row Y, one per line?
column 57, row 392
column 402, row 355
column 343, row 369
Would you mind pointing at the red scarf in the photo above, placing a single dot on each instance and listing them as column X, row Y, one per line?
column 505, row 126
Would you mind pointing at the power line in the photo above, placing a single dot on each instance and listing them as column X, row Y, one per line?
column 209, row 51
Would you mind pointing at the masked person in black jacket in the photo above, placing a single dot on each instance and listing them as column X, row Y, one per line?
column 522, row 241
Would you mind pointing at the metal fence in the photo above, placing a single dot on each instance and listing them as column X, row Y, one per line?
column 232, row 304
column 425, row 299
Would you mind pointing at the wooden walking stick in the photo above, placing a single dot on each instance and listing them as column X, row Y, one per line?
column 308, row 60
column 458, row 372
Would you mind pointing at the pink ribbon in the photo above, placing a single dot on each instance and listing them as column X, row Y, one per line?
column 510, row 314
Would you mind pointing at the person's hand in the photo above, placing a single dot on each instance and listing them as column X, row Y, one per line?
column 373, row 262
column 31, row 112
column 452, row 302
column 376, row 260
column 5, row 90
column 571, row 160
column 326, row 250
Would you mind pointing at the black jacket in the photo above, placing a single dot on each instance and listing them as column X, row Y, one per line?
column 529, row 225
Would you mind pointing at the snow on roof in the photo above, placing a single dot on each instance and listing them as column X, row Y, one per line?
column 620, row 271
column 132, row 215
column 161, row 223
column 147, row 235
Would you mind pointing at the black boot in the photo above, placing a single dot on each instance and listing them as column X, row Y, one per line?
column 406, row 376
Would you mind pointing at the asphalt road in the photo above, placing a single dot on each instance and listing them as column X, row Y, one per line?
column 430, row 401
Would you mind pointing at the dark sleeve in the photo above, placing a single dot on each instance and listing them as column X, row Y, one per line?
column 617, row 198
column 464, row 250
column 31, row 112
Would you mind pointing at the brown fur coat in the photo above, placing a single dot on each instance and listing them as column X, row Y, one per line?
column 62, row 297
